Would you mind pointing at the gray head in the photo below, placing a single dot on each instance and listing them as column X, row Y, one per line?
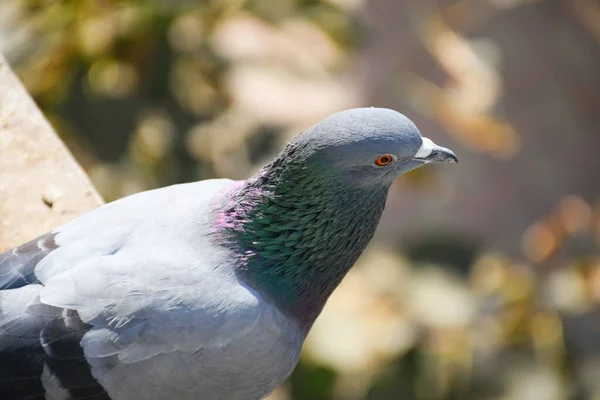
column 368, row 146
column 302, row 221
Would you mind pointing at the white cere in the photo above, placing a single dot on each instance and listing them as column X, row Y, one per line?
column 426, row 148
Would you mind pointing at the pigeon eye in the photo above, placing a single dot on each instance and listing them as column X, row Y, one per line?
column 384, row 160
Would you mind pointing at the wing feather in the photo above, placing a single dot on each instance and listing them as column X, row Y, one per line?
column 17, row 266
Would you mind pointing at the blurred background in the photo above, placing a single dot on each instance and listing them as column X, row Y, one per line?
column 483, row 281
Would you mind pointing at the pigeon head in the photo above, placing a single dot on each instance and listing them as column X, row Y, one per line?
column 366, row 147
column 301, row 222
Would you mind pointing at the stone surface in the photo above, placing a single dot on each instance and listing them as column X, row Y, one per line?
column 41, row 184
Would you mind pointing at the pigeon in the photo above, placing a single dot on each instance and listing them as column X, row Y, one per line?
column 202, row 290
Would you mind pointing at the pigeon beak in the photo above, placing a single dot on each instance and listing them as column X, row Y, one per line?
column 430, row 152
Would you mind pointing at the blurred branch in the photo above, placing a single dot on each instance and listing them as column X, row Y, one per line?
column 41, row 184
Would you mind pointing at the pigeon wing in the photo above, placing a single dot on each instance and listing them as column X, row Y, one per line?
column 129, row 280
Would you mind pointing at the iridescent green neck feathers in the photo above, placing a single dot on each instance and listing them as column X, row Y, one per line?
column 298, row 231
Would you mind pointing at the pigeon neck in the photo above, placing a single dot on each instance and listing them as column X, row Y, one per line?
column 298, row 233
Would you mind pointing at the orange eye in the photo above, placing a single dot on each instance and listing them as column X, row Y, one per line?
column 384, row 160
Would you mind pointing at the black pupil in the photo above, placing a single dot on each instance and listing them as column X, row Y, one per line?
column 384, row 160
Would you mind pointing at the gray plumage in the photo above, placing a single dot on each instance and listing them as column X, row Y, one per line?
column 204, row 290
